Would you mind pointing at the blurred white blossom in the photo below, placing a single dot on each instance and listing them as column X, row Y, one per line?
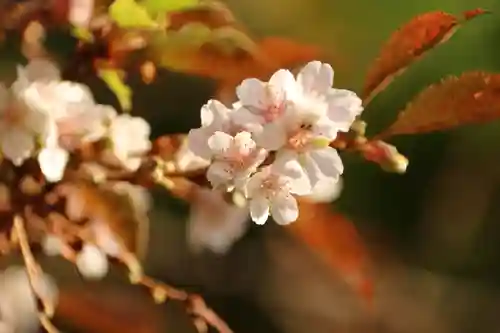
column 215, row 224
column 18, row 309
column 129, row 138
column 92, row 262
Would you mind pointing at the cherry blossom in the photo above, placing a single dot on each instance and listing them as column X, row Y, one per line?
column 215, row 224
column 91, row 262
column 215, row 116
column 18, row 308
column 270, row 190
column 19, row 126
column 234, row 159
column 129, row 138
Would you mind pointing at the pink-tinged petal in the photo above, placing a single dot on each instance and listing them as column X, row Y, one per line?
column 244, row 142
column 213, row 223
column 326, row 129
column 219, row 174
column 343, row 108
column 198, row 142
column 252, row 92
column 283, row 85
column 220, row 142
column 17, row 144
column 272, row 136
column 246, row 119
column 52, row 161
column 326, row 190
column 80, row 12
column 254, row 184
column 284, row 209
column 316, row 77
column 287, row 162
column 259, row 210
column 214, row 113
column 328, row 162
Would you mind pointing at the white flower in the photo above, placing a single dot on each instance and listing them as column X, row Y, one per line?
column 52, row 245
column 213, row 223
column 52, row 159
column 129, row 137
column 326, row 190
column 91, row 262
column 343, row 106
column 80, row 12
column 18, row 309
column 19, row 126
column 215, row 117
column 234, row 159
column 270, row 190
column 186, row 160
column 265, row 102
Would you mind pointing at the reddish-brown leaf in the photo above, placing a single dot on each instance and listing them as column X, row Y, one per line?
column 335, row 239
column 408, row 43
column 473, row 97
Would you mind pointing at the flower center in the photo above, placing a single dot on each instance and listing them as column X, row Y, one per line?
column 273, row 185
column 301, row 138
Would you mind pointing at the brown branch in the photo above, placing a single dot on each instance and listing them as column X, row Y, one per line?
column 34, row 271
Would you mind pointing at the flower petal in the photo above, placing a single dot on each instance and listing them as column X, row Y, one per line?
column 259, row 210
column 213, row 223
column 326, row 190
column 219, row 173
column 343, row 107
column 283, row 85
column 328, row 162
column 272, row 137
column 214, row 113
column 219, row 142
column 316, row 77
column 251, row 92
column 198, row 142
column 244, row 142
column 284, row 209
column 52, row 161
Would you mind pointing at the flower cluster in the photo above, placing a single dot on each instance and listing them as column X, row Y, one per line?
column 45, row 117
column 274, row 142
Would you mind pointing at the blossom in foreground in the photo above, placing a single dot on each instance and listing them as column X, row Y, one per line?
column 215, row 117
column 293, row 120
column 270, row 192
column 234, row 159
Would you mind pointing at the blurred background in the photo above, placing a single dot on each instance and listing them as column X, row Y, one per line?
column 433, row 234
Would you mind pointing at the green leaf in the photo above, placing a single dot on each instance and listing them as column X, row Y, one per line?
column 82, row 34
column 130, row 14
column 158, row 7
column 114, row 79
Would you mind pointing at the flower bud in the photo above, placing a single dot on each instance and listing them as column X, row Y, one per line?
column 91, row 262
column 386, row 155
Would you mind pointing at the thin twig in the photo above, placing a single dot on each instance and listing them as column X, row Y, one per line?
column 34, row 272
